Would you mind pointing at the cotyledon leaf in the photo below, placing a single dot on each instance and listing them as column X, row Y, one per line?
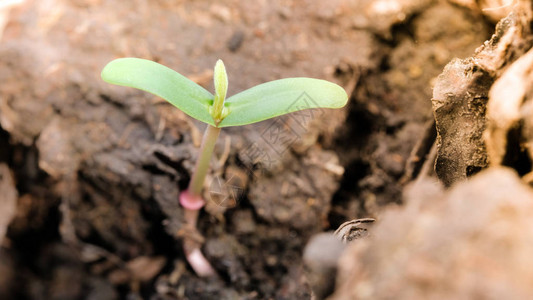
column 164, row 82
column 279, row 97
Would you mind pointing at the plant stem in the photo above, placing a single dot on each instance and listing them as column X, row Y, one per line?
column 202, row 165
column 192, row 201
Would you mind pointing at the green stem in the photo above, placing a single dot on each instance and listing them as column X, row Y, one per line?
column 202, row 165
column 192, row 201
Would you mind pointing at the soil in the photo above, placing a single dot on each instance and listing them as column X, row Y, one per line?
column 90, row 173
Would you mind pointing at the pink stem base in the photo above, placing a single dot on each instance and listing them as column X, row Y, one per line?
column 191, row 246
column 192, row 202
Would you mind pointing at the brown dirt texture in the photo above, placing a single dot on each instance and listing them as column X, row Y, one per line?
column 436, row 144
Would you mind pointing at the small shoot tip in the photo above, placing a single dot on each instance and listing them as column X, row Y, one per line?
column 220, row 77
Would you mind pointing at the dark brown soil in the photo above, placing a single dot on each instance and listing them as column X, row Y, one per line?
column 93, row 171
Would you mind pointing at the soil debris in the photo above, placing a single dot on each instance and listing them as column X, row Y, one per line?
column 8, row 199
column 469, row 242
column 460, row 101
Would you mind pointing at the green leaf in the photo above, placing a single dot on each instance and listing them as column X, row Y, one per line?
column 220, row 79
column 164, row 82
column 280, row 97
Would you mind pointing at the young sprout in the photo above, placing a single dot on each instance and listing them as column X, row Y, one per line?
column 256, row 104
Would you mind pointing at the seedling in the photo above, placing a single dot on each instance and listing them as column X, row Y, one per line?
column 262, row 102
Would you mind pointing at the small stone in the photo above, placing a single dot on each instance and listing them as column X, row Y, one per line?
column 235, row 42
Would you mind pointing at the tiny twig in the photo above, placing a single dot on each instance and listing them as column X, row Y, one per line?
column 499, row 7
column 225, row 154
column 353, row 229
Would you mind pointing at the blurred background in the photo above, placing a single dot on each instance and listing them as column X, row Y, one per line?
column 90, row 173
